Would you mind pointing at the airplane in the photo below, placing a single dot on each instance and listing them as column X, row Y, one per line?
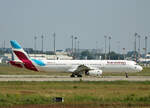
column 76, row 67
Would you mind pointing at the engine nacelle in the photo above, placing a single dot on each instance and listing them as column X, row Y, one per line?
column 94, row 72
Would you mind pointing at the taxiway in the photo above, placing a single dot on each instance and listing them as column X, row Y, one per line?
column 67, row 78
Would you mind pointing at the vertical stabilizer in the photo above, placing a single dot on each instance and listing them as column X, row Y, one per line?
column 22, row 55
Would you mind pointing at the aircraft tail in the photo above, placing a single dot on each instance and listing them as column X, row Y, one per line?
column 18, row 51
column 25, row 60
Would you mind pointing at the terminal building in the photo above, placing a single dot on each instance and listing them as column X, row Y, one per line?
column 59, row 56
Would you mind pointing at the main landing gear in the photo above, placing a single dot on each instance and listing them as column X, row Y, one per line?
column 72, row 75
column 78, row 75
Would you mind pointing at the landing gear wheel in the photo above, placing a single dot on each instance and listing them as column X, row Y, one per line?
column 72, row 75
column 126, row 75
column 79, row 75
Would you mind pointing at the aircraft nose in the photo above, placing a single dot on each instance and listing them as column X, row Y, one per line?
column 139, row 68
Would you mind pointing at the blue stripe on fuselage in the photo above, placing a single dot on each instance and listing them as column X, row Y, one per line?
column 38, row 62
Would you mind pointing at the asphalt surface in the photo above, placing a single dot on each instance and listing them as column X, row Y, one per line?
column 67, row 78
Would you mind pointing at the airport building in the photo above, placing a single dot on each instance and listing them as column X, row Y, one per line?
column 59, row 56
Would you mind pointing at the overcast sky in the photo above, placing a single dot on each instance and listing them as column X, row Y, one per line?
column 89, row 20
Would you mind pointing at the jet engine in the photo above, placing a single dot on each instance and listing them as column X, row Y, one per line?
column 94, row 72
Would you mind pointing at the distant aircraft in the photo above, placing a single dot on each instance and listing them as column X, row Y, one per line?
column 76, row 67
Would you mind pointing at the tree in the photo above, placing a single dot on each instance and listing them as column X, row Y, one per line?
column 85, row 54
column 115, row 56
column 131, row 53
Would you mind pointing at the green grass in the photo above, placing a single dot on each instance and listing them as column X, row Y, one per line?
column 15, row 99
column 76, row 93
column 117, row 93
column 11, row 70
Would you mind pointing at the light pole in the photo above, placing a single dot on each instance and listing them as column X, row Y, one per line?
column 78, row 49
column 42, row 43
column 109, row 46
column 118, row 47
column 145, row 56
column 50, row 44
column 139, row 46
column 35, row 38
column 4, row 45
column 124, row 53
column 135, row 46
column 96, row 55
column 72, row 46
column 54, row 36
column 146, row 45
column 146, row 48
column 75, row 45
column 105, row 46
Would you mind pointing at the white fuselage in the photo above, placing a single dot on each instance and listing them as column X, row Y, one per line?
column 95, row 67
column 104, row 65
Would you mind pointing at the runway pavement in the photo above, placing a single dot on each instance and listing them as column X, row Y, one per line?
column 67, row 78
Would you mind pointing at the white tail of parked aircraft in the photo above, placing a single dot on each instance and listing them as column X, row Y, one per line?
column 76, row 67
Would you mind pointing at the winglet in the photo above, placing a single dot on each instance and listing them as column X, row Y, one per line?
column 15, row 44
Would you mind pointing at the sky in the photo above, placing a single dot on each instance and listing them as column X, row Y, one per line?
column 89, row 20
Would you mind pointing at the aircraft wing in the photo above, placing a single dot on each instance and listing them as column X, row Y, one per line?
column 81, row 69
column 72, row 69
column 85, row 69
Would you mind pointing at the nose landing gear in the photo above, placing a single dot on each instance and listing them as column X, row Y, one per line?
column 126, row 75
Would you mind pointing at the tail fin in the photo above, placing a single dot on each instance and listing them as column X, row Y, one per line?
column 18, row 51
column 22, row 55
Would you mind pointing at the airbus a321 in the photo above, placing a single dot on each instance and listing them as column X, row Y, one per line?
column 75, row 67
